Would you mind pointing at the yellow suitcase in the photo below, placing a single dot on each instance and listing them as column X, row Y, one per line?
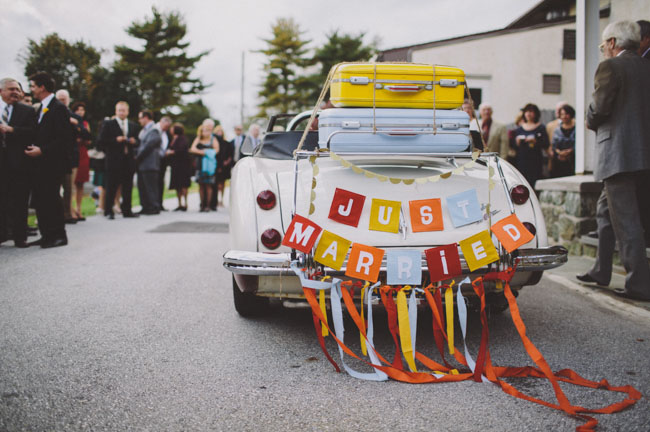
column 397, row 85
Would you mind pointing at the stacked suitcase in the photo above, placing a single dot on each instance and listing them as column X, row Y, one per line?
column 387, row 107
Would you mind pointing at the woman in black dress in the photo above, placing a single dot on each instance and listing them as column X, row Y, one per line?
column 531, row 140
column 181, row 165
column 224, row 166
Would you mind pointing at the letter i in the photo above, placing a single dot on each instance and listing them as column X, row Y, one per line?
column 444, row 262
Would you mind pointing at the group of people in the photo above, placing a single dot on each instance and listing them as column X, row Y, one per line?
column 536, row 150
column 36, row 160
column 48, row 148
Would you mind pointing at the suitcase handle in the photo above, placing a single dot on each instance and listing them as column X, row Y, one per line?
column 404, row 88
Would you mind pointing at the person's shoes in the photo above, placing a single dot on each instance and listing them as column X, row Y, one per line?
column 32, row 230
column 213, row 208
column 622, row 292
column 110, row 216
column 204, row 210
column 130, row 215
column 592, row 234
column 54, row 243
column 71, row 221
column 586, row 278
column 162, row 209
column 184, row 208
column 81, row 219
column 178, row 209
column 21, row 244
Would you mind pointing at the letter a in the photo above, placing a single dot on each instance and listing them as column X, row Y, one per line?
column 331, row 250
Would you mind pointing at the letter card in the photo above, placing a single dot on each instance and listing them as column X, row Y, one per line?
column 511, row 232
column 301, row 234
column 443, row 262
column 479, row 250
column 346, row 207
column 464, row 208
column 364, row 262
column 426, row 215
column 404, row 267
column 331, row 250
column 384, row 215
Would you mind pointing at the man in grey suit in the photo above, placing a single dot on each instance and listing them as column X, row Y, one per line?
column 619, row 114
column 148, row 160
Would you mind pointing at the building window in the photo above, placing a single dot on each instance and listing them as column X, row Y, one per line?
column 552, row 84
column 569, row 45
column 477, row 96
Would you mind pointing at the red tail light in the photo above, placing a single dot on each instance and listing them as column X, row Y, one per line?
column 530, row 227
column 266, row 200
column 271, row 238
column 519, row 194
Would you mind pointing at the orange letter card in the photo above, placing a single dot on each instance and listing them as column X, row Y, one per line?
column 511, row 233
column 443, row 262
column 346, row 207
column 331, row 250
column 426, row 215
column 364, row 262
column 479, row 250
column 384, row 215
column 302, row 234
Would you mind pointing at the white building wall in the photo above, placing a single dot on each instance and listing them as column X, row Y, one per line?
column 510, row 67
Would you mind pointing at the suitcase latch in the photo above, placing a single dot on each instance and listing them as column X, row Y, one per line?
column 448, row 83
column 359, row 80
column 350, row 124
column 450, row 126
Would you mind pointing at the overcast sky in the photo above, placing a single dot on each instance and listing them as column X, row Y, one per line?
column 229, row 28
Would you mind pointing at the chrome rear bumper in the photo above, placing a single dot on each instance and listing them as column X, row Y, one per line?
column 277, row 264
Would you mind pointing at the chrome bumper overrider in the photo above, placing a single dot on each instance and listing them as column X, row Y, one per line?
column 277, row 264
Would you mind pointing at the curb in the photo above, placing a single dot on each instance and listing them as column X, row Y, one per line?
column 616, row 304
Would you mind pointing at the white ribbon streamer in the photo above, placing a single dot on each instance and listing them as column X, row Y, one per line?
column 413, row 318
column 339, row 328
column 462, row 318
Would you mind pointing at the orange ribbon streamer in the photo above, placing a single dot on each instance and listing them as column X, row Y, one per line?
column 395, row 370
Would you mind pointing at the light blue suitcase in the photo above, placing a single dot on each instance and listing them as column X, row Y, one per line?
column 350, row 130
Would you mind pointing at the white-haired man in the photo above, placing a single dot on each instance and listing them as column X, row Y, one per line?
column 251, row 141
column 619, row 114
column 494, row 134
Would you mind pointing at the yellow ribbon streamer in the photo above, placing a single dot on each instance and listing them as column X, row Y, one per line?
column 405, row 329
column 323, row 309
column 364, row 349
column 449, row 307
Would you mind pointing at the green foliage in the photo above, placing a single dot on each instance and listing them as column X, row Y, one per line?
column 286, row 87
column 337, row 49
column 191, row 116
column 73, row 65
column 161, row 69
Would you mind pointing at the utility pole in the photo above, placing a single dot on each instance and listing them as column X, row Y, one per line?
column 241, row 102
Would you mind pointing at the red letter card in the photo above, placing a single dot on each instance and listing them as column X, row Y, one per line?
column 443, row 262
column 302, row 234
column 346, row 207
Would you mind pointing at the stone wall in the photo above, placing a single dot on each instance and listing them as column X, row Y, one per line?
column 569, row 208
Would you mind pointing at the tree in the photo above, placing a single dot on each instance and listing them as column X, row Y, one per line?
column 73, row 65
column 337, row 49
column 286, row 87
column 162, row 68
column 192, row 115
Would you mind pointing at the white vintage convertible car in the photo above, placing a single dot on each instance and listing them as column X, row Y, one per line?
column 277, row 182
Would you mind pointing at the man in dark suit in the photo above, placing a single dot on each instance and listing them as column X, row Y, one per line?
column 644, row 45
column 148, row 158
column 17, row 127
column 619, row 114
column 50, row 151
column 118, row 139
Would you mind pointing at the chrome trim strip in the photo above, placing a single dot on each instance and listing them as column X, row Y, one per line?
column 277, row 264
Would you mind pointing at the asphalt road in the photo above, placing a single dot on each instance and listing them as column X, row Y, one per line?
column 132, row 327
